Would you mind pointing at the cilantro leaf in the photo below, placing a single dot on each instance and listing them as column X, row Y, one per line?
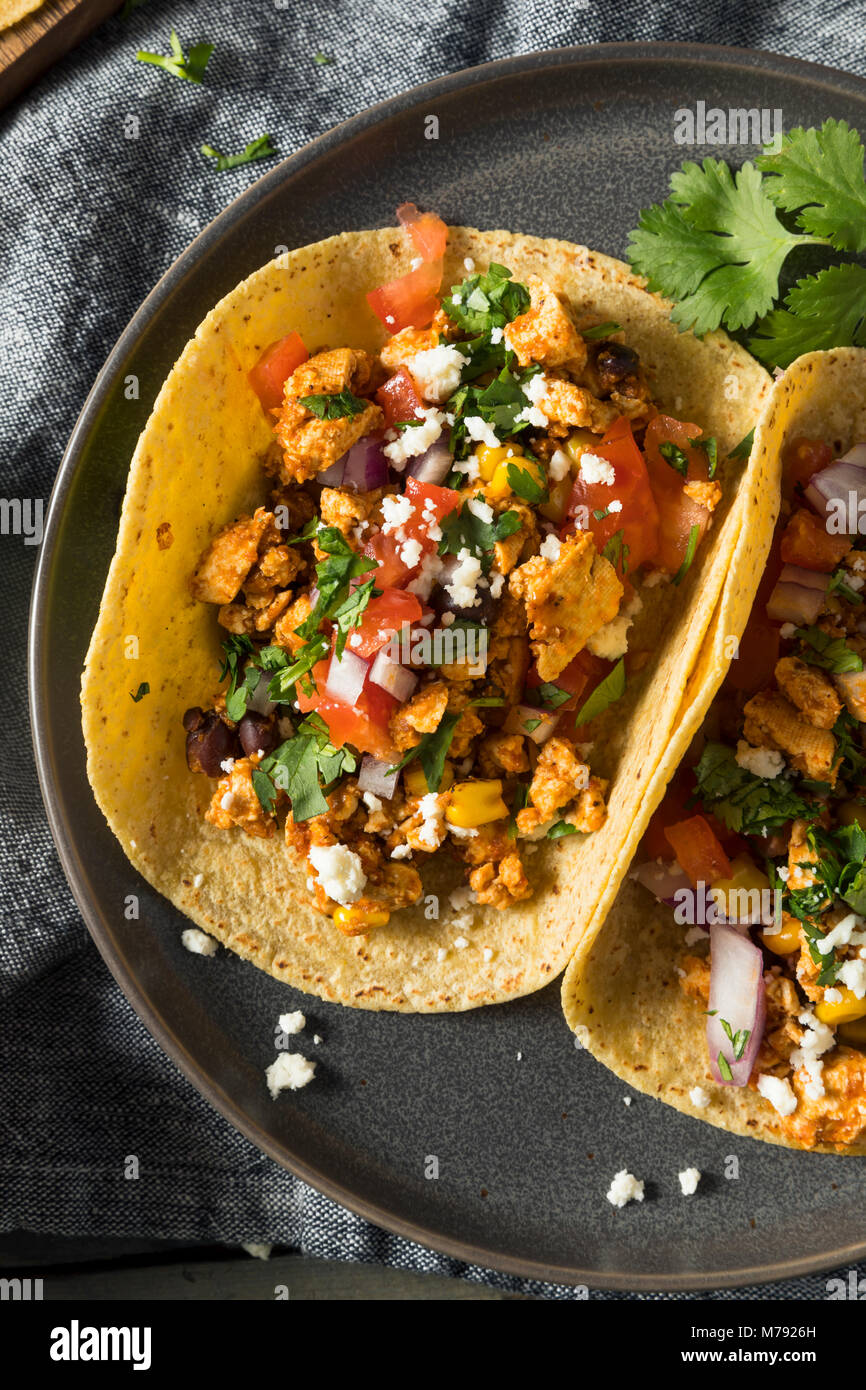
column 744, row 448
column 351, row 610
column 846, row 732
column 745, row 803
column 710, row 446
column 488, row 300
column 616, row 551
column 717, row 246
column 432, row 751
column 551, row 696
column 839, row 584
column 673, row 454
column 601, row 330
column 498, row 404
column 282, row 687
column 191, row 68
column 340, row 406
column 463, row 530
column 822, row 311
column 819, row 175
column 691, row 547
column 561, row 828
column 830, row 653
column 523, row 485
column 262, row 148
column 606, row 693
column 295, row 769
column 334, row 577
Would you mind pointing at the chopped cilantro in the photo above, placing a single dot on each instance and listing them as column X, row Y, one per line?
column 463, row 530
column 340, row 406
column 282, row 687
column 830, row 653
column 691, row 547
column 191, row 68
column 601, row 330
column 523, row 485
column 486, row 300
column 520, row 799
column 746, row 804
column 262, row 148
column 744, row 448
column 846, row 732
column 616, row 551
column 673, row 454
column 725, row 1067
column 139, row 694
column 550, row 695
column 432, row 751
column 710, row 446
column 611, row 689
column 334, row 577
column 351, row 610
column 839, row 585
column 738, row 1040
column 561, row 828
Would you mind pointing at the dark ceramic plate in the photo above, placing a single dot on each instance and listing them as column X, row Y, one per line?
column 528, row 1132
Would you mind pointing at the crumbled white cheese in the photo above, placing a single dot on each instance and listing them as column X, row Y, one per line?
column 787, row 631
column 550, row 547
column 410, row 553
column 689, row 1179
column 227, row 764
column 654, row 578
column 464, row 580
column 469, row 467
column 478, row 507
column 853, row 975
column 415, row 440
column 559, row 466
column 695, row 934
column 848, row 932
column 778, row 1092
column 396, row 511
column 289, row 1072
column 594, row 469
column 339, row 872
column 372, row 801
column 611, row 641
column 432, row 811
column 496, row 335
column 402, row 852
column 763, row 762
column 199, row 942
column 699, row 1097
column 625, row 1188
column 626, row 1100
column 479, row 430
column 292, row 1023
column 462, row 832
column 437, row 371
column 832, row 996
column 422, row 584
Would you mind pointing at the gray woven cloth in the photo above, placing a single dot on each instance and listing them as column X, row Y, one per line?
column 86, row 228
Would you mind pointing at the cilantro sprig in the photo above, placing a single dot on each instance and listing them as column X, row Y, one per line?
column 830, row 653
column 746, row 804
column 342, row 405
column 719, row 243
column 262, row 148
column 190, row 67
column 463, row 530
column 486, row 300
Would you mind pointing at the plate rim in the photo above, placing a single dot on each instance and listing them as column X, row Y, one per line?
column 651, row 53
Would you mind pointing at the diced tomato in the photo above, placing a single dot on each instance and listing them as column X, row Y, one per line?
column 411, row 301
column 807, row 542
column 383, row 616
column 675, row 808
column 638, row 518
column 755, row 660
column 800, row 460
column 428, row 232
column 274, row 367
column 678, row 512
column 698, row 851
column 364, row 724
column 398, row 398
column 579, row 678
column 385, row 548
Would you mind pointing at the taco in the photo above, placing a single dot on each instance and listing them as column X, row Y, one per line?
column 419, row 548
column 730, row 977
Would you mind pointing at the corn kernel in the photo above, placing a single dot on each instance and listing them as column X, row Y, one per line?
column 351, row 918
column 845, row 1010
column 499, row 485
column 741, row 894
column 579, row 441
column 785, row 941
column 490, row 457
column 556, row 506
column 416, row 783
column 475, row 803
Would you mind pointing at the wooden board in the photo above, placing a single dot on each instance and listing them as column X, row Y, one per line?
column 38, row 40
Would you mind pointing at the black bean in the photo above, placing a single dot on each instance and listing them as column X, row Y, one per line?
column 257, row 732
column 208, row 743
column 614, row 362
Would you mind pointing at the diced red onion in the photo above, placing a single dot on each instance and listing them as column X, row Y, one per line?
column 363, row 468
column 798, row 596
column 374, row 777
column 434, row 465
column 528, row 714
column 664, row 881
column 737, row 996
column 391, row 676
column 346, row 677
column 825, row 490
